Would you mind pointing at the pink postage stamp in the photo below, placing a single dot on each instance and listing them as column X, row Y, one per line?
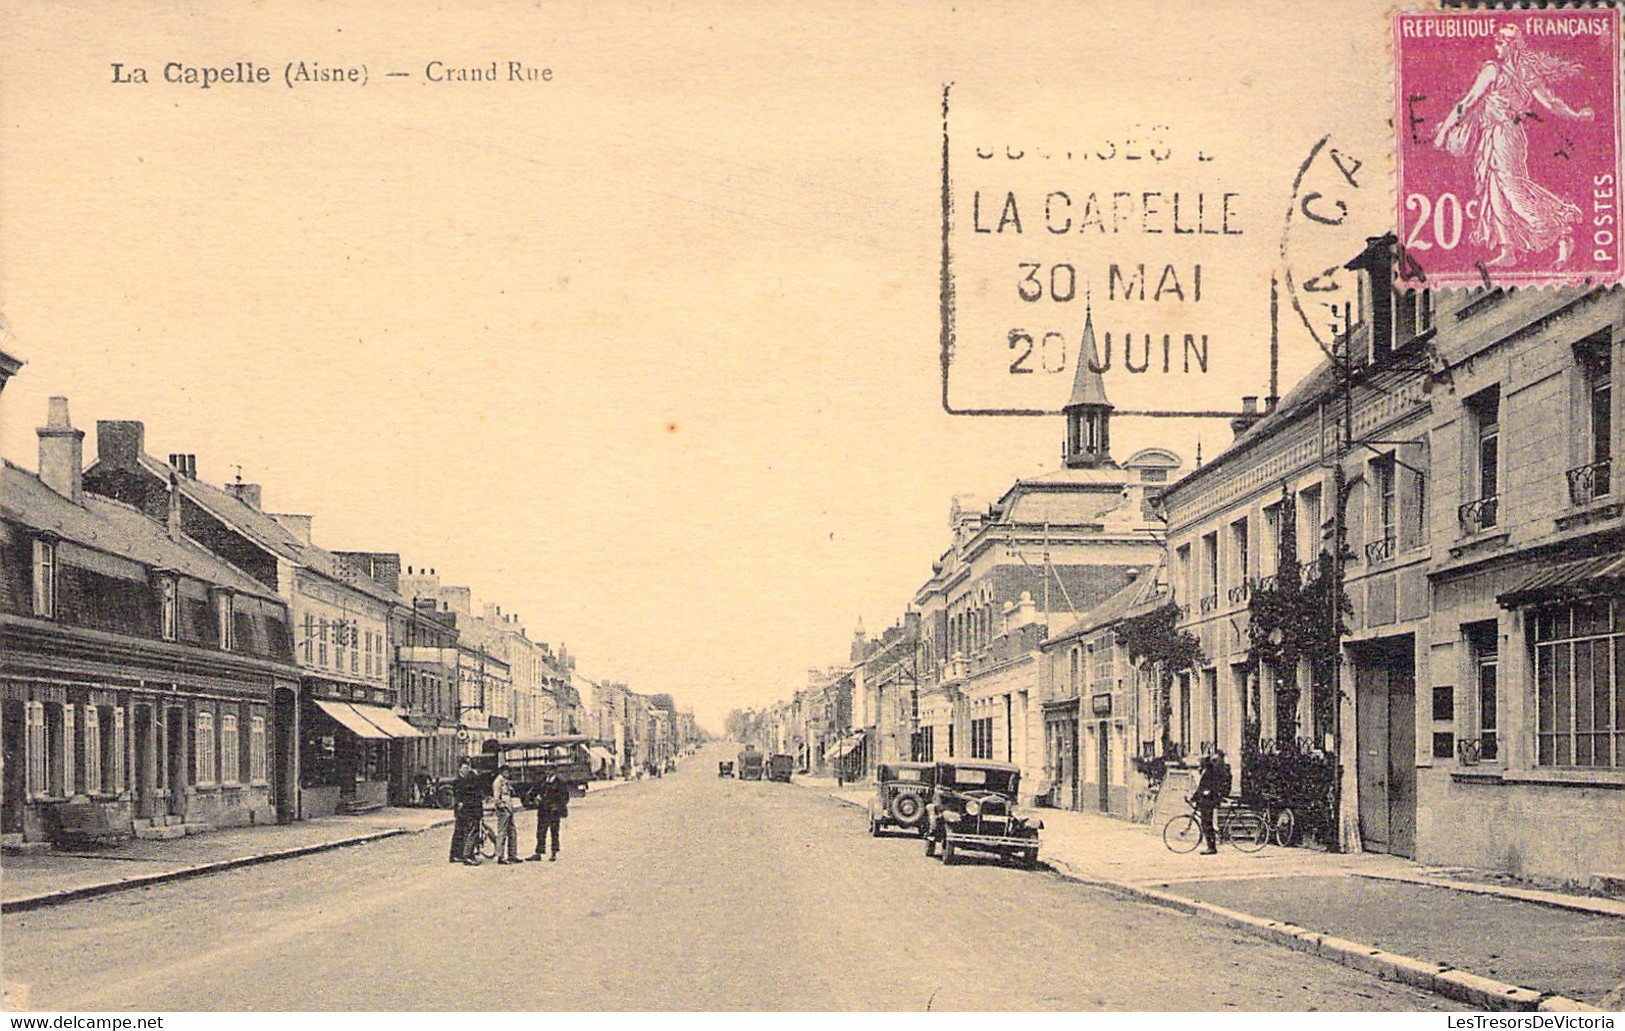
column 1508, row 127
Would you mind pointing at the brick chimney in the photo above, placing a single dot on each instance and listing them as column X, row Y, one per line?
column 1249, row 415
column 247, row 493
column 62, row 453
column 298, row 525
column 120, row 442
column 185, row 464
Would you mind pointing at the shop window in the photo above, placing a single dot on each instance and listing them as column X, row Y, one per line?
column 1579, row 667
column 45, row 579
column 981, row 738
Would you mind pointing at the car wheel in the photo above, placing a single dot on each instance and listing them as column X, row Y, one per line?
column 905, row 808
column 1029, row 859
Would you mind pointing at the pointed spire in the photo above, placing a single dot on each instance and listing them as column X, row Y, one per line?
column 1087, row 387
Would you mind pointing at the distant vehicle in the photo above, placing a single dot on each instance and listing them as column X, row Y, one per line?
column 725, row 769
column 973, row 806
column 901, row 793
column 533, row 756
column 779, row 767
column 750, row 765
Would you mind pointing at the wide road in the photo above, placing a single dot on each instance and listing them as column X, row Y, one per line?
column 688, row 892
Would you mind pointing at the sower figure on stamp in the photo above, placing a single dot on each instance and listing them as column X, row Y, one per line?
column 1212, row 788
column 1515, row 214
column 469, row 797
column 552, row 805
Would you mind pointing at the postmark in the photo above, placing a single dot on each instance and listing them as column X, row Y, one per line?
column 1507, row 146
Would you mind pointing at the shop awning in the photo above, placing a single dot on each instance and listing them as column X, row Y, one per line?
column 386, row 721
column 1600, row 574
column 351, row 720
column 844, row 747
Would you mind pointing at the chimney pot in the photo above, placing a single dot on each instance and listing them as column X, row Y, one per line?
column 1249, row 404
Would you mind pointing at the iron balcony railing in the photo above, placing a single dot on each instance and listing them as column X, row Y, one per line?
column 1478, row 515
column 1210, row 602
column 1587, row 483
column 1242, row 591
column 1380, row 550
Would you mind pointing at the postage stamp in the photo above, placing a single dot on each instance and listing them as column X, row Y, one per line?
column 1508, row 146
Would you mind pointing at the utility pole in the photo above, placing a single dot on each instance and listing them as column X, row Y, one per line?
column 1345, row 443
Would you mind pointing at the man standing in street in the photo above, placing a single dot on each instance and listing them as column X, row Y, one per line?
column 1211, row 789
column 552, row 805
column 469, row 797
column 504, row 802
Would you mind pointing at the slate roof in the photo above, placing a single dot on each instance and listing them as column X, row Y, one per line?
column 115, row 528
column 1143, row 586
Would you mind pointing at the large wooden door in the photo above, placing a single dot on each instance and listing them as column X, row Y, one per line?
column 1385, row 725
column 1104, row 752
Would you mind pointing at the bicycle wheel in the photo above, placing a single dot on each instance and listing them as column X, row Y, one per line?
column 1182, row 833
column 1284, row 827
column 488, row 841
column 1245, row 829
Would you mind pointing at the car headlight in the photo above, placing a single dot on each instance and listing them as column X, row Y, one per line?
column 973, row 808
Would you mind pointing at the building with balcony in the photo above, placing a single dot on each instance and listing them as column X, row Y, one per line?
column 1521, row 743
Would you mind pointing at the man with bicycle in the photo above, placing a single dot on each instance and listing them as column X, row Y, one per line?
column 1212, row 788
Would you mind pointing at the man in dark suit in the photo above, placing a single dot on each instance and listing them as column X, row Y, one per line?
column 468, row 793
column 1212, row 788
column 552, row 799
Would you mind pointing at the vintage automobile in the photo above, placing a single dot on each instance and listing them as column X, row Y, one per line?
column 973, row 807
column 532, row 757
column 750, row 765
column 725, row 769
column 901, row 793
column 779, row 767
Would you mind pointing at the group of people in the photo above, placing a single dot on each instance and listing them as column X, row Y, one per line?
column 551, row 799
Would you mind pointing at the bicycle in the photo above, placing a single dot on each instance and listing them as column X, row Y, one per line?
column 1241, row 825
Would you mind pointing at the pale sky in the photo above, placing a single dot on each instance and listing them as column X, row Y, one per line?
column 647, row 354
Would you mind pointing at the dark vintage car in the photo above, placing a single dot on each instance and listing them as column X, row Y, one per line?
column 973, row 807
column 901, row 793
column 750, row 765
column 779, row 767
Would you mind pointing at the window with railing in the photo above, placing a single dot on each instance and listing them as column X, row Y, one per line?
column 1481, row 510
column 1240, row 557
column 1210, row 571
column 1384, row 510
column 1594, row 479
column 1579, row 668
column 1483, row 647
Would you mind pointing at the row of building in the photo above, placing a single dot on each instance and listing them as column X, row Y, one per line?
column 1396, row 600
column 178, row 657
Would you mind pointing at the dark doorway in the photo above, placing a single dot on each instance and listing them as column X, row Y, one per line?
column 145, row 801
column 1104, row 751
column 285, row 760
column 16, row 769
column 175, row 774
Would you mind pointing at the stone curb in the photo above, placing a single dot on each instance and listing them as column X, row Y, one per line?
column 1550, row 899
column 1481, row 992
column 56, row 898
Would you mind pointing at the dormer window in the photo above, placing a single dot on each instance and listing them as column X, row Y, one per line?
column 45, row 578
column 224, row 620
column 169, row 606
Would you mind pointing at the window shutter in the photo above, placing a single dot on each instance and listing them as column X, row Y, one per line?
column 118, row 749
column 69, row 771
column 35, row 770
column 93, row 751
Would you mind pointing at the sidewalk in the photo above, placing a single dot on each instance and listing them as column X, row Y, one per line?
column 1475, row 941
column 28, row 881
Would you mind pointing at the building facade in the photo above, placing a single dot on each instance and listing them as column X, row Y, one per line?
column 140, row 672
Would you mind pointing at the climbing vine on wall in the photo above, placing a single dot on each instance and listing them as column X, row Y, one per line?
column 1154, row 638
